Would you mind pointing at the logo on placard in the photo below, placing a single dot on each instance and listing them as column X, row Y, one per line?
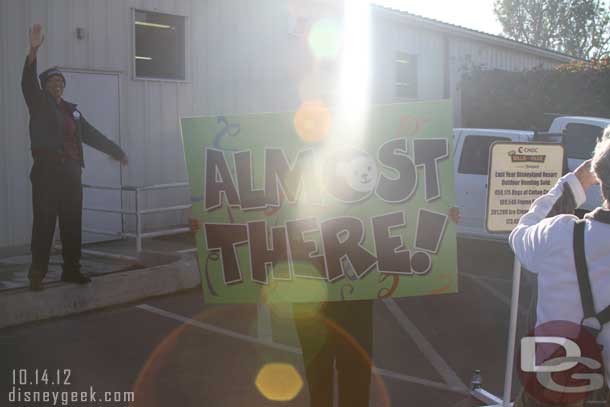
column 560, row 363
column 527, row 150
column 524, row 155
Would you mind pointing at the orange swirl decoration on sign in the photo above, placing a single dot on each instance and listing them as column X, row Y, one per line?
column 387, row 292
column 410, row 125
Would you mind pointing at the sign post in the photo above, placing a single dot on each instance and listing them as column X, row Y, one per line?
column 518, row 174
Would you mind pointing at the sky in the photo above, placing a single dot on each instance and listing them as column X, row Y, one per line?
column 474, row 14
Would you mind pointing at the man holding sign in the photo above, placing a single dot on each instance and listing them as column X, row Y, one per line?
column 327, row 223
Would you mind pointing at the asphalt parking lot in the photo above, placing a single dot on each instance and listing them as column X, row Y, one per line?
column 174, row 350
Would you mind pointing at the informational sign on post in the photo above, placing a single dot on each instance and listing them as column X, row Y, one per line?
column 518, row 174
column 304, row 206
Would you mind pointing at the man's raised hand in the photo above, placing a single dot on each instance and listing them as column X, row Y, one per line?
column 36, row 36
column 585, row 175
column 36, row 40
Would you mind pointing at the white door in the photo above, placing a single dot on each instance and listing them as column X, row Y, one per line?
column 97, row 96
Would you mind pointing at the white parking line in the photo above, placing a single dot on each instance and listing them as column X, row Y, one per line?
column 263, row 323
column 493, row 291
column 215, row 329
column 246, row 338
column 424, row 382
column 487, row 278
column 435, row 359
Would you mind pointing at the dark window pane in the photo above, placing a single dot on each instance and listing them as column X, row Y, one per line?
column 406, row 75
column 580, row 140
column 160, row 45
column 475, row 154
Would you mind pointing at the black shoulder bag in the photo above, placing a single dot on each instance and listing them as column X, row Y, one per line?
column 592, row 321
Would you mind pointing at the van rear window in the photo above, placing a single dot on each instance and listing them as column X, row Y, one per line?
column 475, row 154
column 580, row 140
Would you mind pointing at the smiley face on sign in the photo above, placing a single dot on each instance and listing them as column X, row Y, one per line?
column 351, row 175
column 360, row 172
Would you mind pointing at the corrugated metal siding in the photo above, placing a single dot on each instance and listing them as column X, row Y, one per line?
column 149, row 109
column 15, row 204
column 245, row 55
column 390, row 37
column 242, row 59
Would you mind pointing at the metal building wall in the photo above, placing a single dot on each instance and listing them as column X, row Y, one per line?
column 391, row 36
column 246, row 58
column 243, row 57
column 149, row 109
column 444, row 52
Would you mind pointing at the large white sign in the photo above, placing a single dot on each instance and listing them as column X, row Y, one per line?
column 518, row 174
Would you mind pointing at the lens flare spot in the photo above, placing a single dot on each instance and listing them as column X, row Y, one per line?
column 309, row 310
column 279, row 382
column 312, row 121
column 325, row 38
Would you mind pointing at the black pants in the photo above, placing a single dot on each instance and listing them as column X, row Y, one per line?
column 56, row 193
column 341, row 335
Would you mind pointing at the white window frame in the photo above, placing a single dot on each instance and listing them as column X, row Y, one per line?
column 187, row 47
column 396, row 83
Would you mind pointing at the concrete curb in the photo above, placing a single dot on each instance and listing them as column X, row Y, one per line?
column 59, row 299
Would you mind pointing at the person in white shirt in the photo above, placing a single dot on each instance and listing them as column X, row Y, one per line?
column 543, row 243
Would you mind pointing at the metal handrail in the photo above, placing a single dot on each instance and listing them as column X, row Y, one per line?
column 121, row 211
column 160, row 186
column 136, row 187
column 139, row 234
column 165, row 209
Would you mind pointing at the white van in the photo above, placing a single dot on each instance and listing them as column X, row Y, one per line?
column 580, row 136
column 471, row 152
column 471, row 149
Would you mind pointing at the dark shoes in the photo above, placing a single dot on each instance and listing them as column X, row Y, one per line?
column 75, row 277
column 71, row 274
column 36, row 284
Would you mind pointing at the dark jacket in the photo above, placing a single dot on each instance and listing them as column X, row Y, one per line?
column 47, row 121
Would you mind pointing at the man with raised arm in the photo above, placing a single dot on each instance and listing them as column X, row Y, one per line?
column 57, row 131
